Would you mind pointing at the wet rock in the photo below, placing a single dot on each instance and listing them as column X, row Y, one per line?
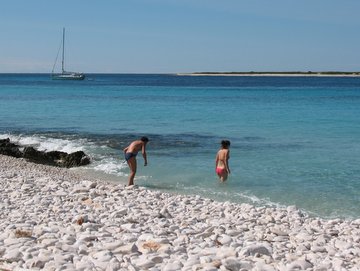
column 56, row 158
column 10, row 149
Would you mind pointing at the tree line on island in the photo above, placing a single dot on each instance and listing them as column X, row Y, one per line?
column 280, row 73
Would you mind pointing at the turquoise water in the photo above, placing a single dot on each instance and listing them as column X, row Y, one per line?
column 294, row 140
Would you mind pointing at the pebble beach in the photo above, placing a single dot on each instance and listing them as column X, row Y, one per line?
column 54, row 219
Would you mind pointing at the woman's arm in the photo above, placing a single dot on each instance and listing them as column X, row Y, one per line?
column 227, row 162
column 143, row 151
column 216, row 160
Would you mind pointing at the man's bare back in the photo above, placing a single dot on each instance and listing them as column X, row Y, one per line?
column 135, row 146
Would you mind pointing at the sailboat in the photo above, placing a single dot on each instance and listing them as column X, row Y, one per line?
column 65, row 75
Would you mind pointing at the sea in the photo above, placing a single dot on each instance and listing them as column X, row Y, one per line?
column 294, row 140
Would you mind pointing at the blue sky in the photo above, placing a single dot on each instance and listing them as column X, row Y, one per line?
column 167, row 36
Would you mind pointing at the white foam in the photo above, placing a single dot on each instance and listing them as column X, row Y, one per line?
column 239, row 197
column 101, row 162
column 43, row 143
column 143, row 178
column 257, row 201
column 111, row 166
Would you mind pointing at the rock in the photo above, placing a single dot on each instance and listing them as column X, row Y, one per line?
column 128, row 226
column 224, row 239
column 225, row 252
column 205, row 259
column 304, row 236
column 144, row 263
column 103, row 256
column 10, row 149
column 156, row 259
column 61, row 259
column 84, row 264
column 126, row 249
column 262, row 249
column 76, row 159
column 233, row 232
column 299, row 265
column 119, row 213
column 146, row 237
column 80, row 189
column 113, row 245
column 292, row 208
column 342, row 245
column 56, row 158
column 264, row 267
column 279, row 232
column 82, row 250
column 33, row 155
column 320, row 249
column 85, row 237
column 174, row 266
column 113, row 265
column 232, row 264
column 88, row 184
column 164, row 213
column 12, row 255
column 49, row 242
column 191, row 261
column 280, row 238
column 338, row 264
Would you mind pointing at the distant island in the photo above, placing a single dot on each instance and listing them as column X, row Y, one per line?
column 253, row 73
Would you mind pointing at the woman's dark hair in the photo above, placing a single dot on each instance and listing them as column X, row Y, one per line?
column 225, row 143
column 144, row 139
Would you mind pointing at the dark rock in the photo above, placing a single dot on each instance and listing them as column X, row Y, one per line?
column 52, row 158
column 76, row 159
column 56, row 158
column 10, row 149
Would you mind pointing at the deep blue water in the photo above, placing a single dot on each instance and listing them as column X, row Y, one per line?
column 294, row 140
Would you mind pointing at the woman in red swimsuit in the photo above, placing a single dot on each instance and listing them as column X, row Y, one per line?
column 222, row 161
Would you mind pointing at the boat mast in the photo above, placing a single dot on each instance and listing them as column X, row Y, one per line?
column 63, row 51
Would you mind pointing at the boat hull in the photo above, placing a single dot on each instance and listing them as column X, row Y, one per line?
column 72, row 76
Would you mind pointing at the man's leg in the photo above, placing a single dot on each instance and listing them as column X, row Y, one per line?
column 132, row 166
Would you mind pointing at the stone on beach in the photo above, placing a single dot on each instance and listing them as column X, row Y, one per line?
column 53, row 219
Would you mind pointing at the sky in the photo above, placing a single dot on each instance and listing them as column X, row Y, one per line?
column 174, row 36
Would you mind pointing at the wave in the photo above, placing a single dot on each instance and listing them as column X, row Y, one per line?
column 44, row 143
column 105, row 154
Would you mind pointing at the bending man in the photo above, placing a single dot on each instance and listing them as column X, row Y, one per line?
column 130, row 155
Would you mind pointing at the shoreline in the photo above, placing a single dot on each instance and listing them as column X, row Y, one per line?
column 52, row 217
column 355, row 74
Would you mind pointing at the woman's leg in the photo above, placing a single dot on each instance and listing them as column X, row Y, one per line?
column 224, row 176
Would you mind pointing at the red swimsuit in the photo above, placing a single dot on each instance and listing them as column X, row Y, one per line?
column 220, row 170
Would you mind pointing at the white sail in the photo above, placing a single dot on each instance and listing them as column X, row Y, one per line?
column 65, row 75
